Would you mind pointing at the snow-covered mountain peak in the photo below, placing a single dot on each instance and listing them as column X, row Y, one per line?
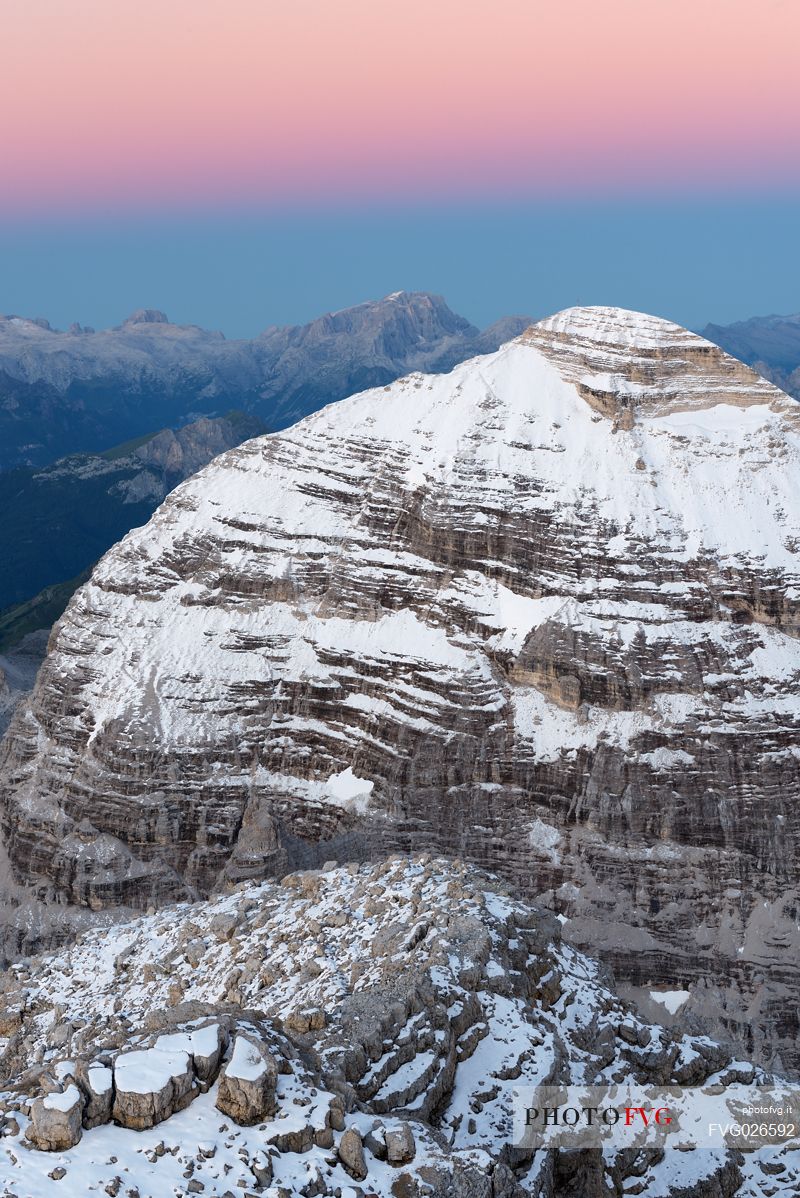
column 628, row 366
column 618, row 327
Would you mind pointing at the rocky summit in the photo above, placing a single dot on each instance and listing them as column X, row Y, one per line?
column 541, row 612
column 362, row 1030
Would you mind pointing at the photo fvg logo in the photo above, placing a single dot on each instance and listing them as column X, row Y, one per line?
column 610, row 1116
column 684, row 1116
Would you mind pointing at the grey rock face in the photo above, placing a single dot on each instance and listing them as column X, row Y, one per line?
column 542, row 612
column 18, row 669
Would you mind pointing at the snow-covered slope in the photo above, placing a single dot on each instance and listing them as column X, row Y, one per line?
column 542, row 611
column 411, row 1008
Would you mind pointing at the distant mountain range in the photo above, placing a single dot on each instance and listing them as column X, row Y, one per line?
column 81, row 391
column 770, row 344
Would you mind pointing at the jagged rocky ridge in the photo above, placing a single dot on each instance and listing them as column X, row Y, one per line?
column 80, row 391
column 541, row 612
column 359, row 1030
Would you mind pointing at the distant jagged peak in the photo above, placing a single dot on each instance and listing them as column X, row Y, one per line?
column 428, row 314
column 146, row 316
column 415, row 300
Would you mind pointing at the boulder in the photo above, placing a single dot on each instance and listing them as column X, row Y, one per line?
column 375, row 1141
column 400, row 1145
column 56, row 1120
column 96, row 1083
column 151, row 1084
column 351, row 1154
column 247, row 1083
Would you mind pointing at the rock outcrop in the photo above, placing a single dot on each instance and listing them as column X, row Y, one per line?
column 150, row 1084
column 542, row 612
column 247, row 1086
column 95, row 1081
column 444, row 1002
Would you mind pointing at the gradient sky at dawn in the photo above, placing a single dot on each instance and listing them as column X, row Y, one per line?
column 241, row 162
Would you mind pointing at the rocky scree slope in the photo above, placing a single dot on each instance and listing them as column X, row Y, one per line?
column 82, row 390
column 541, row 612
column 352, row 1031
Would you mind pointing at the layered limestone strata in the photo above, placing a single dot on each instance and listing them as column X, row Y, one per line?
column 375, row 1027
column 487, row 613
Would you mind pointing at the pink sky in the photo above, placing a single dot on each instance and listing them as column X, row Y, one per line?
column 163, row 103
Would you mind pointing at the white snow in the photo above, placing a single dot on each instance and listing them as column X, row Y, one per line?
column 673, row 1000
column 148, row 1070
column 202, row 1041
column 346, row 790
column 545, row 837
column 100, row 1078
column 246, row 1062
column 619, row 327
column 64, row 1101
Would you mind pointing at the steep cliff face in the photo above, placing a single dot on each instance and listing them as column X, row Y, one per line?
column 542, row 612
column 18, row 670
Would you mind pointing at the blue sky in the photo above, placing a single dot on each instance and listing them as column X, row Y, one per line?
column 712, row 259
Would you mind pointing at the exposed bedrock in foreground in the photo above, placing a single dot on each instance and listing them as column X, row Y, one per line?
column 350, row 1031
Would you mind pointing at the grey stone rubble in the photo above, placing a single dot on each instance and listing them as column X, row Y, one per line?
column 274, row 1048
